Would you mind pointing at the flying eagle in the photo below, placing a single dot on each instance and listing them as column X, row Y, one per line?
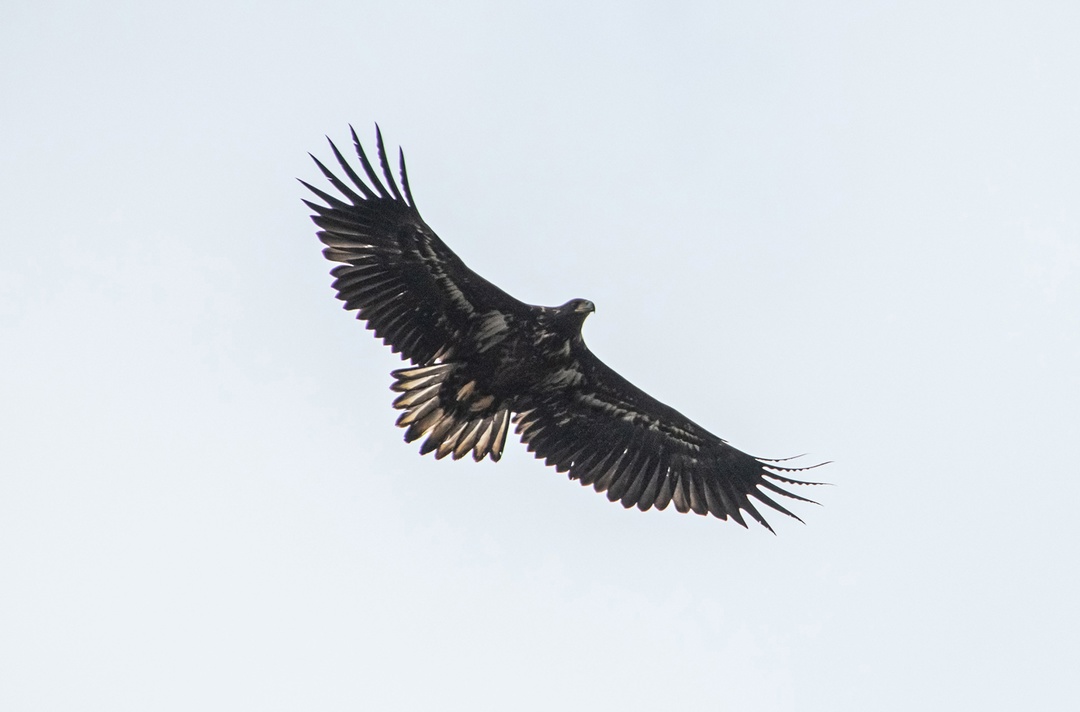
column 482, row 359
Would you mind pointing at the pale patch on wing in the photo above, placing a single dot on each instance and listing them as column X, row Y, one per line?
column 493, row 328
column 439, row 273
column 564, row 377
column 634, row 417
column 608, row 407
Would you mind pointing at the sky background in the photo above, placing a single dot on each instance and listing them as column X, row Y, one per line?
column 849, row 229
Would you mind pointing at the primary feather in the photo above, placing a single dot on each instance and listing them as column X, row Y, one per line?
column 483, row 359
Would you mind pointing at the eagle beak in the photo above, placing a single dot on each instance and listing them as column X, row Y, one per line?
column 586, row 307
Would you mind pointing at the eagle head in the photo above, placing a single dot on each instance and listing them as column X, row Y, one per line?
column 579, row 306
column 572, row 315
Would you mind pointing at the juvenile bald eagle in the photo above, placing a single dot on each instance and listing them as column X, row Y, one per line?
column 482, row 359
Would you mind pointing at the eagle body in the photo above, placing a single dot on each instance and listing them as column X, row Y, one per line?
column 505, row 365
column 483, row 360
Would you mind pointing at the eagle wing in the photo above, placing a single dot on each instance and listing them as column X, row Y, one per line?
column 606, row 432
column 410, row 288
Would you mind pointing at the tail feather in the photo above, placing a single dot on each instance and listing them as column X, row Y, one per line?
column 455, row 423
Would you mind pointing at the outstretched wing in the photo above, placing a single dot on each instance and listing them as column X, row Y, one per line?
column 410, row 288
column 610, row 434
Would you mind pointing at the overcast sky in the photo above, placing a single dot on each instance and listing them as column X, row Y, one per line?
column 847, row 229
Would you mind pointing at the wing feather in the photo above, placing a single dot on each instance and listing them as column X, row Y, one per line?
column 366, row 164
column 347, row 167
column 651, row 490
column 405, row 177
column 651, row 455
column 633, row 489
column 667, row 487
column 385, row 164
column 337, row 182
column 409, row 287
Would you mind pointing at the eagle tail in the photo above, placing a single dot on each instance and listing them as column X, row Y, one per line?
column 454, row 423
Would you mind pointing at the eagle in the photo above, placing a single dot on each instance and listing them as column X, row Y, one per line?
column 482, row 361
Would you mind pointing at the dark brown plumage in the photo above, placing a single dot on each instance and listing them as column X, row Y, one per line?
column 482, row 359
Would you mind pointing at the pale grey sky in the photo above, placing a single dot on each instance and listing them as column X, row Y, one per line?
column 850, row 229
